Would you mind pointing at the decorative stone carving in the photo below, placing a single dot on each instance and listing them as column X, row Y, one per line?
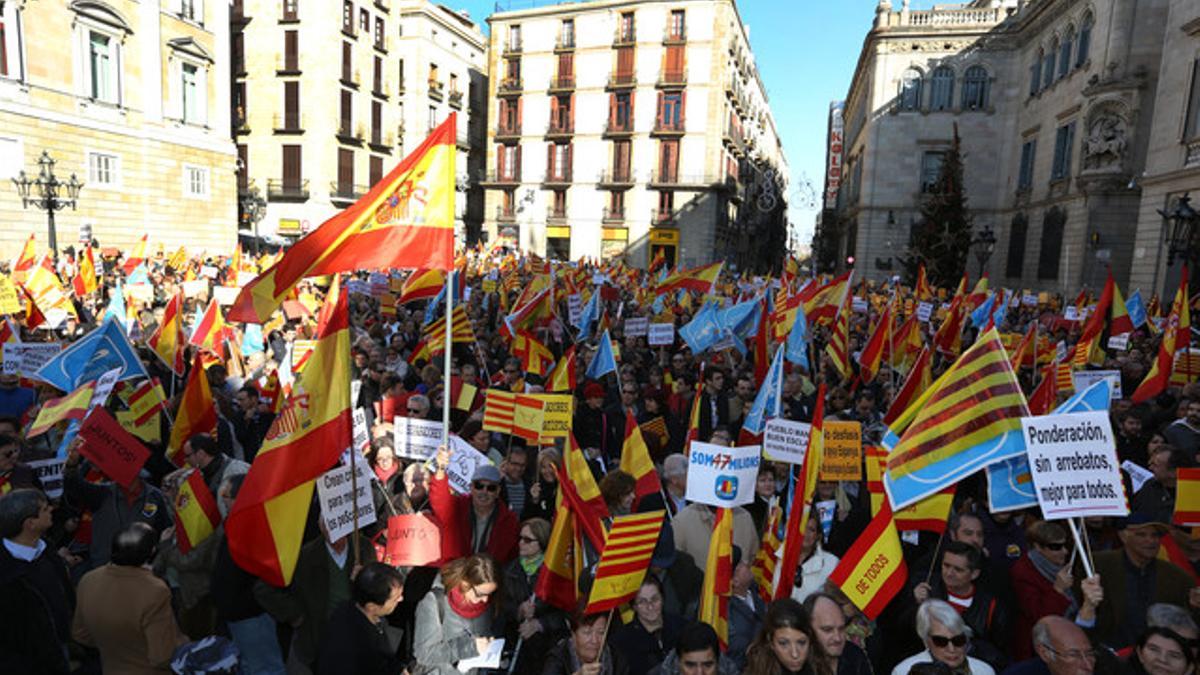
column 1106, row 141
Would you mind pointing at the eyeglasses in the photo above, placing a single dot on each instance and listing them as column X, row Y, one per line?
column 943, row 641
column 648, row 602
column 478, row 594
column 490, row 487
column 1055, row 546
column 414, row 410
column 1074, row 654
column 528, row 540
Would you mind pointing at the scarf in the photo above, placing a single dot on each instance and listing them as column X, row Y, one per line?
column 384, row 475
column 463, row 608
column 1050, row 571
column 530, row 565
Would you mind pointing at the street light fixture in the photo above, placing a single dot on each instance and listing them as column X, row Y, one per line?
column 254, row 207
column 984, row 244
column 1184, row 241
column 49, row 195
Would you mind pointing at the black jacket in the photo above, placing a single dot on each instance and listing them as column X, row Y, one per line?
column 560, row 662
column 352, row 645
column 643, row 649
column 36, row 622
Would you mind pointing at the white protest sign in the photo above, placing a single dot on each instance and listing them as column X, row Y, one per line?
column 1119, row 342
column 785, row 440
column 721, row 476
column 660, row 334
column 463, row 460
column 28, row 357
column 636, row 326
column 1071, row 313
column 416, row 439
column 1060, row 351
column 209, row 271
column 1137, row 475
column 104, row 387
column 355, row 390
column 50, row 472
column 859, row 305
column 1029, row 300
column 195, row 288
column 362, row 435
column 574, row 308
column 337, row 506
column 924, row 311
column 1082, row 379
column 225, row 295
column 1073, row 459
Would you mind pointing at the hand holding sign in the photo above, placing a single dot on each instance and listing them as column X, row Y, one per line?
column 112, row 449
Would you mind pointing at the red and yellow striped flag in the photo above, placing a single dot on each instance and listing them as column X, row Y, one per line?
column 210, row 333
column 73, row 406
column 876, row 461
column 718, row 578
column 635, row 459
column 536, row 358
column 802, row 495
column 147, row 401
column 197, row 413
column 528, row 417
column 918, row 381
column 928, row 515
column 871, row 357
column 1187, row 498
column 25, row 260
column 873, row 571
column 562, row 377
column 838, row 348
column 625, row 559
column 698, row 279
column 498, row 410
column 434, row 332
column 583, row 495
column 422, row 285
column 136, row 257
column 85, row 278
column 196, row 513
column 557, row 584
column 765, row 560
column 1176, row 334
column 168, row 340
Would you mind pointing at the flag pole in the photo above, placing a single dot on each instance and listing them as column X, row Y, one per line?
column 446, row 358
column 354, row 501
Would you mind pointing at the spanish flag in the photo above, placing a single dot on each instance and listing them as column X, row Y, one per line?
column 197, row 413
column 802, row 495
column 765, row 560
column 26, row 260
column 462, row 395
column 210, row 332
column 1187, row 498
column 1045, row 395
column 266, row 523
column 917, row 382
column 921, row 289
column 928, row 515
column 557, row 583
column 624, row 560
column 699, row 279
column 1176, row 335
column 979, row 294
column 405, row 220
column 1024, row 349
column 196, row 513
column 948, row 338
column 821, row 303
column 73, row 406
column 85, row 278
column 873, row 571
column 583, row 495
column 1089, row 341
column 871, row 357
column 136, row 257
column 718, row 578
column 635, row 459
column 422, row 285
column 563, row 376
column 168, row 340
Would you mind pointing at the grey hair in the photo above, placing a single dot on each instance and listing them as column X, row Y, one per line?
column 1041, row 635
column 421, row 400
column 674, row 465
column 1174, row 617
column 941, row 612
column 18, row 506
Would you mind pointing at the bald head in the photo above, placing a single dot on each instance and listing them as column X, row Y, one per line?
column 1063, row 646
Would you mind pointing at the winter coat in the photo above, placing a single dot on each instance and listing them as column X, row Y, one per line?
column 444, row 637
column 31, row 641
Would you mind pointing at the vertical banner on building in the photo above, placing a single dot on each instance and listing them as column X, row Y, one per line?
column 833, row 171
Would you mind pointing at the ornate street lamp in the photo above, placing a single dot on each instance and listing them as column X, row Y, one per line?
column 254, row 207
column 49, row 195
column 984, row 244
column 1184, row 234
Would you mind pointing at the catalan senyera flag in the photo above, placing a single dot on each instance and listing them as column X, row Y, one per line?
column 1092, row 329
column 434, row 333
column 624, row 560
column 136, row 257
column 85, row 277
column 928, row 515
column 168, row 340
column 266, row 523
column 917, row 382
column 1187, row 498
column 969, row 418
column 635, row 460
column 699, row 279
column 838, row 348
column 718, row 578
column 1176, row 334
column 422, row 285
column 871, row 357
column 498, row 410
column 536, row 358
column 583, row 495
column 802, row 494
column 563, row 376
column 197, row 413
column 196, row 513
column 765, row 560
column 557, row 584
column 210, row 332
column 73, row 406
column 405, row 220
column 873, row 571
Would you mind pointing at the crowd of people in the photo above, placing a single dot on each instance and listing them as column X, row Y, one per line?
column 96, row 579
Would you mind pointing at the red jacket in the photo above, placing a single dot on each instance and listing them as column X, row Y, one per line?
column 1036, row 597
column 454, row 513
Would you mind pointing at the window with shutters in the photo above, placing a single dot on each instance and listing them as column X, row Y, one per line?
column 673, row 65
column 616, row 204
column 508, row 158
column 347, row 62
column 1065, row 51
column 345, row 172
column 102, row 67
column 560, row 114
column 1048, row 65
column 376, row 123
column 364, row 21
column 666, row 204
column 566, row 34
column 975, row 88
column 1192, row 125
column 621, row 115
column 931, row 169
column 1083, row 51
column 376, row 170
column 621, row 157
column 291, row 167
column 377, row 76
column 1025, row 173
column 559, row 162
column 627, row 27
column 1035, row 74
column 625, row 65
column 668, row 161
column 103, row 170
column 910, row 90
column 291, row 106
column 941, row 95
column 1064, row 141
column 670, row 111
column 558, row 204
column 192, row 89
column 347, row 17
column 676, row 26
column 346, row 114
column 1052, row 239
column 291, row 50
column 379, row 33
column 291, row 10
column 566, row 70
column 195, row 181
column 1015, row 261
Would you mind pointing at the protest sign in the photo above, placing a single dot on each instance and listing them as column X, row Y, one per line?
column 843, row 451
column 825, row 511
column 50, row 472
column 489, row 285
column 463, row 460
column 195, row 288
column 574, row 308
column 225, row 295
column 1119, row 342
column 362, row 435
column 785, row 440
column 1029, row 300
column 244, row 277
column 557, row 413
column 334, row 489
column 1071, row 313
column 721, row 476
column 412, row 540
column 1137, row 475
column 113, row 450
column 209, row 271
column 924, row 311
column 28, row 357
column 1073, row 460
column 9, row 304
column 416, row 439
column 859, row 305
column 637, row 326
column 139, row 292
column 1082, row 379
column 104, row 387
column 660, row 334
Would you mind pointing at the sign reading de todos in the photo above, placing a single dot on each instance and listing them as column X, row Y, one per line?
column 1073, row 459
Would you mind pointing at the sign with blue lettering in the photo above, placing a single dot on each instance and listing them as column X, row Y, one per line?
column 721, row 476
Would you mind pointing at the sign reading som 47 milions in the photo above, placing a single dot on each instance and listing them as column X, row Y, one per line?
column 722, row 476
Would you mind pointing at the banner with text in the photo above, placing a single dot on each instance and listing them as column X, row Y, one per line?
column 721, row 476
column 1073, row 459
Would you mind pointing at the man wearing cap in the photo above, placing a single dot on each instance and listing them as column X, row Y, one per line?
column 477, row 522
column 1134, row 578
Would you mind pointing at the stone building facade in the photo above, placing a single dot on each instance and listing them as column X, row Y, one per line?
column 1072, row 118
column 626, row 127
column 132, row 98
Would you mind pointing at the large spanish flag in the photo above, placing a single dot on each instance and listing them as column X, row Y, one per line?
column 699, row 279
column 583, row 495
column 196, row 513
column 821, row 303
column 873, row 571
column 625, row 559
column 562, row 377
column 1176, row 335
column 266, row 523
column 405, row 220
column 557, row 583
column 73, row 406
column 422, row 285
column 168, row 340
column 210, row 332
column 718, row 578
column 197, row 413
column 802, row 495
column 635, row 459
column 930, row 514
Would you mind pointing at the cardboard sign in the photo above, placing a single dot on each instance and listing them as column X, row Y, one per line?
column 843, row 451
column 1071, row 313
column 1073, row 459
column 416, row 439
column 637, row 326
column 1119, row 342
column 557, row 412
column 195, row 288
column 412, row 539
column 334, row 489
column 1082, row 379
column 9, row 304
column 225, row 295
column 924, row 311
column 785, row 440
column 362, row 435
column 574, row 308
column 859, row 305
column 28, row 357
column 463, row 460
column 1029, row 300
column 113, row 450
column 660, row 334
column 1137, row 475
column 104, row 387
column 50, row 472
column 209, row 271
column 721, row 476
column 489, row 285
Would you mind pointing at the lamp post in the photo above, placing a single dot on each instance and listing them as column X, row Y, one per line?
column 984, row 244
column 1184, row 233
column 49, row 195
column 254, row 207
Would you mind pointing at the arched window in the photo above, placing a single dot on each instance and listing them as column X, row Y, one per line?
column 975, row 88
column 1064, row 52
column 910, row 90
column 1035, row 74
column 941, row 95
column 1085, row 40
column 1048, row 64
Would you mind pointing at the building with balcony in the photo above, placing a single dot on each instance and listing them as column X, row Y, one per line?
column 132, row 98
column 1078, row 120
column 329, row 97
column 620, row 127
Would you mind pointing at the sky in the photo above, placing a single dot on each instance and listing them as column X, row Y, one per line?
column 806, row 51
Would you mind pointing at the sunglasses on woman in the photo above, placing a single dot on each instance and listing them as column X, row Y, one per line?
column 943, row 641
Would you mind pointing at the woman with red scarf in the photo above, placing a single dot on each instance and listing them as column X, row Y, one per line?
column 459, row 617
